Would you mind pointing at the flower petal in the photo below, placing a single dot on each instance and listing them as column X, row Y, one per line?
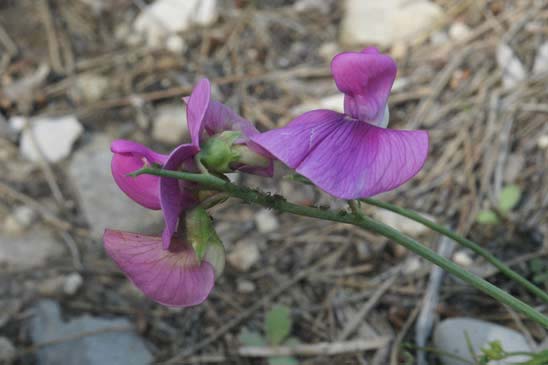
column 173, row 278
column 128, row 157
column 292, row 143
column 220, row 118
column 174, row 199
column 366, row 79
column 196, row 109
column 345, row 157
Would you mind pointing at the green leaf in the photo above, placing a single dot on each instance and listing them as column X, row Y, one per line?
column 251, row 338
column 277, row 324
column 509, row 197
column 487, row 217
column 283, row 360
column 537, row 265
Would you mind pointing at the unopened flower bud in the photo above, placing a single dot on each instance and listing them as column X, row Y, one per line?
column 223, row 153
column 217, row 154
column 201, row 234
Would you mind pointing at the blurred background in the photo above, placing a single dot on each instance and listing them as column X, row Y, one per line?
column 74, row 75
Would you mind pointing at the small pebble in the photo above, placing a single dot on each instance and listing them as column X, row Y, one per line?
column 175, row 44
column 24, row 215
column 245, row 286
column 266, row 221
column 7, row 351
column 244, row 255
column 72, row 283
column 542, row 142
column 463, row 258
column 459, row 31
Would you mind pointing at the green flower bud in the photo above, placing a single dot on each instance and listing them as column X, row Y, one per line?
column 216, row 153
column 201, row 234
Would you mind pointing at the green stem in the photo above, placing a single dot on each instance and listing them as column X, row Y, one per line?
column 464, row 242
column 280, row 204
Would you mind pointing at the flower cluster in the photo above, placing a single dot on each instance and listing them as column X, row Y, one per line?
column 351, row 155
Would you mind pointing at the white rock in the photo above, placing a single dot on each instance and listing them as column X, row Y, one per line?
column 400, row 83
column 170, row 124
column 7, row 351
column 542, row 141
column 328, row 50
column 18, row 123
column 463, row 258
column 412, row 265
column 401, row 223
column 450, row 337
column 266, row 221
column 21, row 218
column 333, row 102
column 388, row 21
column 163, row 18
column 513, row 71
column 244, row 255
column 28, row 250
column 175, row 44
column 54, row 138
column 541, row 59
column 459, row 31
column 72, row 283
column 245, row 286
column 90, row 88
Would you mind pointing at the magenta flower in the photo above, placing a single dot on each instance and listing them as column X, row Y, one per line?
column 166, row 268
column 352, row 155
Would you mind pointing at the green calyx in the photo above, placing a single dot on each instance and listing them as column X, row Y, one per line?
column 201, row 234
column 217, row 153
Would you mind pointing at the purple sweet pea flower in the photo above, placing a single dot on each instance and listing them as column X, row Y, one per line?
column 165, row 268
column 352, row 155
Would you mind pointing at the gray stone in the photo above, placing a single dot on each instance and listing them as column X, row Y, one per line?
column 85, row 340
column 450, row 337
column 28, row 250
column 170, row 124
column 513, row 70
column 103, row 203
column 541, row 59
column 7, row 351
column 50, row 138
column 386, row 22
column 89, row 88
